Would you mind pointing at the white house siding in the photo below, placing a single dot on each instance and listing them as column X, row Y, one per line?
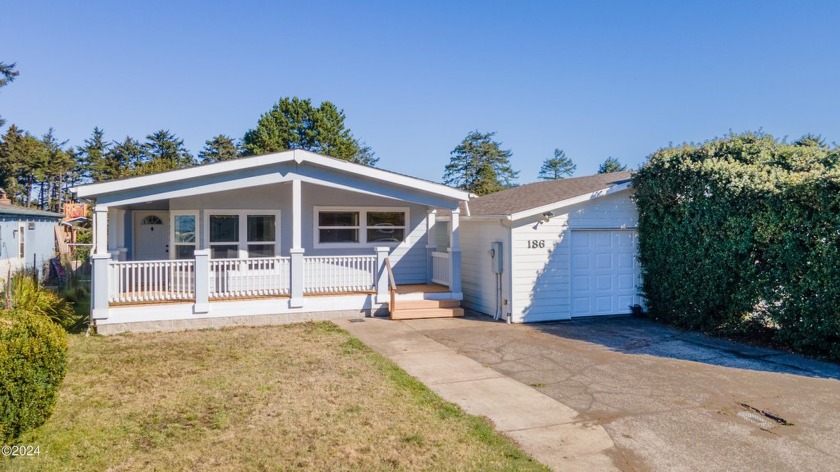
column 541, row 275
column 39, row 243
column 478, row 282
column 408, row 258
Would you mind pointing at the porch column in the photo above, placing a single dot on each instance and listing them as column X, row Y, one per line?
column 382, row 293
column 115, row 227
column 455, row 254
column 100, row 228
column 99, row 286
column 202, row 281
column 296, row 252
column 120, row 240
column 431, row 243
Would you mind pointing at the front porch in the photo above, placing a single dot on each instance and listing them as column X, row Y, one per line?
column 288, row 233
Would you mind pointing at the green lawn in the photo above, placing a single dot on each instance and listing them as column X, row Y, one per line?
column 303, row 396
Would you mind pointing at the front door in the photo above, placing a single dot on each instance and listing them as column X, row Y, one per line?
column 151, row 235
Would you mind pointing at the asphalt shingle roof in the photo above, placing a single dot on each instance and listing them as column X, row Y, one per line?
column 526, row 197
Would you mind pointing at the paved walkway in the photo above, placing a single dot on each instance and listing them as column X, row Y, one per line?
column 549, row 431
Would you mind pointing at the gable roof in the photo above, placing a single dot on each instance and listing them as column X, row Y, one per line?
column 148, row 183
column 15, row 210
column 521, row 201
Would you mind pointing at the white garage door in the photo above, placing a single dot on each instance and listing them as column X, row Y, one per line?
column 605, row 273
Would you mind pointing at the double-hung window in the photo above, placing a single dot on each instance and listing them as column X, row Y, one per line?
column 241, row 234
column 184, row 234
column 339, row 227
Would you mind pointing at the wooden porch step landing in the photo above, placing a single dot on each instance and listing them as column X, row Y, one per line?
column 434, row 303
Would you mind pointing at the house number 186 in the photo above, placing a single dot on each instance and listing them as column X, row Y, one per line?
column 536, row 243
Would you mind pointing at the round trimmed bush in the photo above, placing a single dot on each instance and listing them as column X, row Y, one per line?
column 33, row 361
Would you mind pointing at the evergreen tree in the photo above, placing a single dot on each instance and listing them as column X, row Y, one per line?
column 480, row 165
column 22, row 159
column 122, row 159
column 53, row 176
column 295, row 123
column 220, row 148
column 91, row 157
column 162, row 151
column 557, row 167
column 7, row 76
column 611, row 165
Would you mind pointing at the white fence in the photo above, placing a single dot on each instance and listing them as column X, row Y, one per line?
column 249, row 277
column 440, row 267
column 339, row 274
column 149, row 281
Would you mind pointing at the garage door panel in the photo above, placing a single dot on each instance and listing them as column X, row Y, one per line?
column 605, row 272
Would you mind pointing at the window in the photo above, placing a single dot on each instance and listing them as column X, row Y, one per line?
column 184, row 235
column 372, row 227
column 151, row 220
column 245, row 233
column 338, row 226
column 261, row 235
column 224, row 236
column 385, row 226
column 21, row 241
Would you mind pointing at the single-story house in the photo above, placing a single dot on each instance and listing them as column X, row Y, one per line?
column 551, row 250
column 280, row 237
column 27, row 237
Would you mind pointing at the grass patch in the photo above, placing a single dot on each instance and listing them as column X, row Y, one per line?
column 304, row 396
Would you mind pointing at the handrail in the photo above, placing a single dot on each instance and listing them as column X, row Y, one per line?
column 392, row 287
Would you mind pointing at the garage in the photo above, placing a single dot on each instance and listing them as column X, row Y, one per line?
column 569, row 248
column 604, row 272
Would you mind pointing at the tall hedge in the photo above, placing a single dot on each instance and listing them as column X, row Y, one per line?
column 32, row 365
column 741, row 232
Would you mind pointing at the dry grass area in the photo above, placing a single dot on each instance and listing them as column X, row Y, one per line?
column 305, row 396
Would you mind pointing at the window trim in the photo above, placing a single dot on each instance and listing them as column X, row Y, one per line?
column 363, row 226
column 242, row 244
column 173, row 250
column 21, row 242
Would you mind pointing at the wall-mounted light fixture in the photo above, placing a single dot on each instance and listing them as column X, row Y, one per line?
column 547, row 216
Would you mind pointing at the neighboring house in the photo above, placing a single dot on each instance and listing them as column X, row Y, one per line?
column 27, row 237
column 280, row 237
column 568, row 248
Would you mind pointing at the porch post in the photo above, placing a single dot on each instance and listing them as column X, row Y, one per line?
column 455, row 254
column 99, row 285
column 382, row 293
column 100, row 225
column 431, row 243
column 202, row 281
column 296, row 252
column 120, row 240
column 99, row 265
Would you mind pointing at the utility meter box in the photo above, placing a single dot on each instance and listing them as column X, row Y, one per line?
column 496, row 261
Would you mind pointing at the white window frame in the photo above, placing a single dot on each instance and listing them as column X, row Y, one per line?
column 21, row 242
column 172, row 243
column 363, row 227
column 242, row 245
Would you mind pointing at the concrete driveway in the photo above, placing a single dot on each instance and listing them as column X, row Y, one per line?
column 669, row 400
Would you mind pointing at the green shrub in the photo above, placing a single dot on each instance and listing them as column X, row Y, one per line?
column 33, row 362
column 29, row 295
column 743, row 232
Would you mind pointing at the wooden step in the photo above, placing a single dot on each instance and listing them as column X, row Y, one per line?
column 414, row 304
column 421, row 313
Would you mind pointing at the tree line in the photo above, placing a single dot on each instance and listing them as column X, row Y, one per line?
column 481, row 166
column 39, row 171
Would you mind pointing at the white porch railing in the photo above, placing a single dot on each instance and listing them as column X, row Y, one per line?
column 339, row 274
column 154, row 281
column 249, row 277
column 440, row 267
column 149, row 281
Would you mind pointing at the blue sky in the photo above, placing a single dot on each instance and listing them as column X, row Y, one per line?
column 596, row 78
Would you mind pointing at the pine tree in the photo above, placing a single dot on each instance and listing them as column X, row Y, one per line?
column 480, row 165
column 219, row 148
column 611, row 165
column 557, row 167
